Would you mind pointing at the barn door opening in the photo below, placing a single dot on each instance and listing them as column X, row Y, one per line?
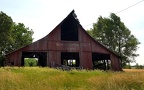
column 40, row 58
column 101, row 61
column 70, row 59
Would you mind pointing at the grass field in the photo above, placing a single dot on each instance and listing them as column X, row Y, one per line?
column 36, row 78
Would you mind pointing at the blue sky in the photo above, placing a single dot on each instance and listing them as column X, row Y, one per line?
column 43, row 15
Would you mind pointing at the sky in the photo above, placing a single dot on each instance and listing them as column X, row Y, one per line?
column 42, row 16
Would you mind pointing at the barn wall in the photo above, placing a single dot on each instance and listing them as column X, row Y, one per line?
column 14, row 58
column 89, row 44
column 41, row 45
column 83, row 47
column 54, row 46
column 54, row 35
column 53, row 56
column 86, row 60
column 115, row 63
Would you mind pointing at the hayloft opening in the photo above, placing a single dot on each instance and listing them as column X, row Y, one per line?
column 69, row 30
column 70, row 59
column 40, row 57
column 101, row 61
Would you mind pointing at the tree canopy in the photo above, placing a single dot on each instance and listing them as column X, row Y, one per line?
column 113, row 34
column 5, row 30
column 13, row 36
column 22, row 36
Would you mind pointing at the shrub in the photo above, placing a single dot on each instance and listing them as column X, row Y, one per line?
column 30, row 62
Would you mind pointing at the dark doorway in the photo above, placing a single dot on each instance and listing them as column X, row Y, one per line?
column 69, row 30
column 41, row 57
column 101, row 61
column 70, row 59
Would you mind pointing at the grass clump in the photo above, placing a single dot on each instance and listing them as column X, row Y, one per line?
column 36, row 78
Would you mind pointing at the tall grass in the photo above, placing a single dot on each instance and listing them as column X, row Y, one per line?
column 36, row 78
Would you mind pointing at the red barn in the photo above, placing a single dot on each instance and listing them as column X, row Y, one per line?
column 68, row 44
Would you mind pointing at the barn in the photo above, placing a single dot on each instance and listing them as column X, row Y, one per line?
column 68, row 44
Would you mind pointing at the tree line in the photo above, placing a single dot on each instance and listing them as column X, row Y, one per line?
column 12, row 36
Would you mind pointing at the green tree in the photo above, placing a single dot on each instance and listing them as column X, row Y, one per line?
column 21, row 35
column 113, row 34
column 13, row 36
column 5, row 34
